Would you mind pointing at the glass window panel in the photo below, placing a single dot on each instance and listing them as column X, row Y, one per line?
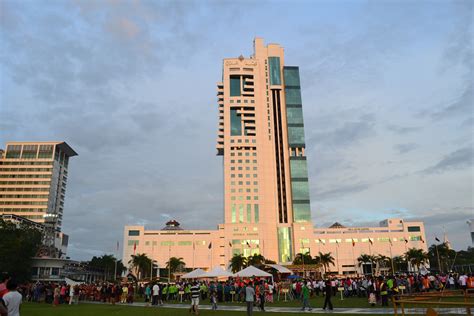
column 134, row 233
column 233, row 214
column 298, row 169
column 275, row 78
column 249, row 213
column 301, row 212
column 241, row 213
column 256, row 213
column 414, row 228
column 294, row 115
column 295, row 135
column 293, row 96
column 284, row 244
column 234, row 86
column 300, row 190
column 292, row 76
column 235, row 123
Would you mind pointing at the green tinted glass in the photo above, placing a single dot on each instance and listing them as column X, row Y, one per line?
column 301, row 212
column 294, row 115
column 274, row 63
column 300, row 190
column 235, row 123
column 233, row 213
column 298, row 169
column 249, row 213
column 292, row 76
column 295, row 135
column 284, row 244
column 293, row 96
column 234, row 86
column 256, row 213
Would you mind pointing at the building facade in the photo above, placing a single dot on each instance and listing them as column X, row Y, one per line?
column 266, row 191
column 33, row 179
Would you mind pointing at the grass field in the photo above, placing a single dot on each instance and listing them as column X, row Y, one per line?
column 32, row 309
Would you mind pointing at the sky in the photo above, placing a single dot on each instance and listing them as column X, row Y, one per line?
column 387, row 90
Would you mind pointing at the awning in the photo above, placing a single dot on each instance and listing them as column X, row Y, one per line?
column 251, row 271
column 280, row 268
column 193, row 274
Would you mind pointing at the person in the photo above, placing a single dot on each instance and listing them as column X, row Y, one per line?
column 383, row 291
column 305, row 296
column 261, row 293
column 148, row 298
column 71, row 294
column 155, row 293
column 214, row 301
column 56, row 295
column 372, row 298
column 12, row 299
column 195, row 291
column 249, row 298
column 327, row 300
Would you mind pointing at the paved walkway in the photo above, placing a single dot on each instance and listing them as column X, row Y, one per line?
column 275, row 309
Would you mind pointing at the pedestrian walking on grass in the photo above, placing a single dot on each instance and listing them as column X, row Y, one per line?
column 195, row 292
column 305, row 297
column 327, row 299
column 12, row 299
column 249, row 298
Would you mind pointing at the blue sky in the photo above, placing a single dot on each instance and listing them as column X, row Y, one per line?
column 387, row 91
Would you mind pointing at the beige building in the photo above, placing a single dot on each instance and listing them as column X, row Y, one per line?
column 261, row 139
column 33, row 177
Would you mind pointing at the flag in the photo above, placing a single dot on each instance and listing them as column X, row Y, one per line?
column 134, row 247
column 390, row 241
column 436, row 238
column 406, row 241
column 337, row 243
column 371, row 242
column 353, row 243
column 210, row 245
column 248, row 244
column 421, row 238
column 230, row 244
column 117, row 246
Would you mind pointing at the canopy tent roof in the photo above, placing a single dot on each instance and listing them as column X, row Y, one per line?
column 251, row 271
column 280, row 268
column 217, row 272
column 193, row 274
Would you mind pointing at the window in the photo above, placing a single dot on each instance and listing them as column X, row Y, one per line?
column 414, row 228
column 275, row 78
column 249, row 213
column 134, row 233
column 256, row 213
column 132, row 242
column 233, row 213
column 185, row 243
column 167, row 243
column 235, row 86
column 235, row 123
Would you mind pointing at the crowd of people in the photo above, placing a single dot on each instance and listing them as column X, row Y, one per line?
column 251, row 291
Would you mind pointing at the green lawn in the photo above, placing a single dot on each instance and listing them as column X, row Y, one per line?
column 32, row 309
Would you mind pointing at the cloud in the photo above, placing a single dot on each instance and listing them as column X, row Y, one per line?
column 402, row 130
column 460, row 159
column 340, row 191
column 405, row 148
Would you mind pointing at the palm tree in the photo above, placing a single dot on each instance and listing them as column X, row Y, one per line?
column 238, row 262
column 301, row 258
column 325, row 259
column 382, row 262
column 416, row 257
column 364, row 259
column 255, row 260
column 399, row 262
column 175, row 264
column 141, row 264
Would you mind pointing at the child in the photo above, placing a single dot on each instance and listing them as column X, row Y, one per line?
column 214, row 300
column 372, row 298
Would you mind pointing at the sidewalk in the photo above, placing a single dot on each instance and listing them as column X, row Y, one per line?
column 315, row 310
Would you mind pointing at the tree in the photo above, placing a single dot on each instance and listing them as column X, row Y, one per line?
column 175, row 264
column 416, row 257
column 303, row 259
column 364, row 259
column 255, row 260
column 140, row 263
column 383, row 262
column 238, row 262
column 446, row 255
column 107, row 264
column 18, row 245
column 399, row 263
column 325, row 259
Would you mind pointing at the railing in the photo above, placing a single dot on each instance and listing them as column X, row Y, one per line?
column 430, row 302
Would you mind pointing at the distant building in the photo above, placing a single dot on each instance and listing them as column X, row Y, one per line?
column 33, row 177
column 266, row 188
column 471, row 229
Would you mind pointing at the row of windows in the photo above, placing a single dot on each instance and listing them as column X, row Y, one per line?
column 242, row 161
column 26, row 163
column 22, row 203
column 350, row 240
column 246, row 154
column 242, row 190
column 26, row 169
column 24, row 196
column 242, row 183
column 240, row 175
column 24, row 189
column 169, row 243
column 239, row 101
column 247, row 209
column 240, row 141
column 241, row 168
column 25, row 176
column 241, row 198
column 26, row 182
column 23, row 210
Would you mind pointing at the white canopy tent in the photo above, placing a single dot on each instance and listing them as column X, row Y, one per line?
column 193, row 274
column 251, row 271
column 72, row 282
column 217, row 272
column 280, row 269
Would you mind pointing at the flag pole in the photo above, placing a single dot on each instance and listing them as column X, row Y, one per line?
column 116, row 255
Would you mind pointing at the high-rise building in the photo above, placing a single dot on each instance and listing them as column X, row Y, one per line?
column 261, row 139
column 33, row 177
column 267, row 202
